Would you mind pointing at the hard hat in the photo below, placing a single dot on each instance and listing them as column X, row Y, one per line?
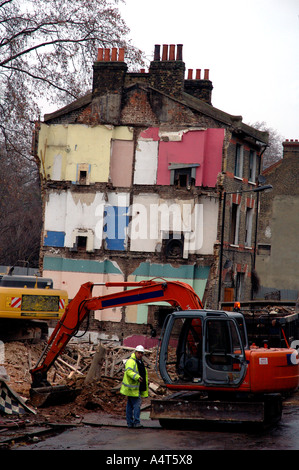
column 140, row 348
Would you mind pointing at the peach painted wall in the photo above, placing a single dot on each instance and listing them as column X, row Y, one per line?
column 72, row 281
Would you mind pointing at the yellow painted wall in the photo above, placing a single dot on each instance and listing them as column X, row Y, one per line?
column 63, row 147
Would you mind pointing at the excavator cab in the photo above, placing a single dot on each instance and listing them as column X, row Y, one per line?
column 202, row 347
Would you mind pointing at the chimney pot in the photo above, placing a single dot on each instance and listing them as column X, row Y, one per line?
column 179, row 52
column 190, row 73
column 157, row 52
column 206, row 74
column 121, row 54
column 172, row 52
column 114, row 54
column 100, row 54
column 142, row 70
column 165, row 52
column 198, row 73
column 107, row 55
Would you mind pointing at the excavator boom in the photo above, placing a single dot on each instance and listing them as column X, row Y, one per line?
column 179, row 295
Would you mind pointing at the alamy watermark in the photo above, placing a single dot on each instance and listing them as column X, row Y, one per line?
column 151, row 222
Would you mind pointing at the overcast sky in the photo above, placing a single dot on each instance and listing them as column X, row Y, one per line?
column 250, row 46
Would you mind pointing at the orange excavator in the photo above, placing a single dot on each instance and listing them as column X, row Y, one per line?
column 203, row 358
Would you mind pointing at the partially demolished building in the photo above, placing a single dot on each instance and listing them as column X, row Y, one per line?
column 132, row 178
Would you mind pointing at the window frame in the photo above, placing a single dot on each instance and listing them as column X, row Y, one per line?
column 252, row 166
column 239, row 161
column 248, row 226
column 235, row 224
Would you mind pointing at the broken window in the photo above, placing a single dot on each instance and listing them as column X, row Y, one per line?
column 83, row 177
column 81, row 242
column 183, row 175
column 83, row 173
column 182, row 178
column 174, row 245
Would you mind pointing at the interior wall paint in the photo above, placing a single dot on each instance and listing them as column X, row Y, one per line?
column 63, row 147
column 56, row 206
column 157, row 149
column 203, row 147
column 70, row 274
column 71, row 282
column 116, row 221
column 153, row 217
column 69, row 211
column 146, row 160
column 141, row 223
column 121, row 163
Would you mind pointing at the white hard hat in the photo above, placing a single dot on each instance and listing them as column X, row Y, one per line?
column 140, row 348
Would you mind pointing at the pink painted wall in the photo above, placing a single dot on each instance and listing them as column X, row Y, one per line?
column 121, row 163
column 203, row 147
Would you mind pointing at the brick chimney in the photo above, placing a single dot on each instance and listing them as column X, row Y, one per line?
column 167, row 73
column 290, row 148
column 199, row 87
column 109, row 73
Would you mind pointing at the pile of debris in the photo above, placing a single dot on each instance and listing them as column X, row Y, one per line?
column 95, row 370
column 270, row 310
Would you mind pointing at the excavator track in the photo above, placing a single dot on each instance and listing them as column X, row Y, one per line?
column 193, row 409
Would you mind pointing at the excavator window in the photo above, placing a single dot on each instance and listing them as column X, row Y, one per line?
column 189, row 350
column 222, row 344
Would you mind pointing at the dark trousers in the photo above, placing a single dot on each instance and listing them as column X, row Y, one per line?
column 133, row 411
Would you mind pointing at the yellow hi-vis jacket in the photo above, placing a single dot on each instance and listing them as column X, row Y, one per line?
column 130, row 383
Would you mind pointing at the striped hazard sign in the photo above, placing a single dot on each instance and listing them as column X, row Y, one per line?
column 15, row 302
column 61, row 304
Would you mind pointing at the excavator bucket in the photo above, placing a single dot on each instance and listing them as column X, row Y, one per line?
column 42, row 397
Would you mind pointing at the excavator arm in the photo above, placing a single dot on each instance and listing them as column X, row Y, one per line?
column 179, row 295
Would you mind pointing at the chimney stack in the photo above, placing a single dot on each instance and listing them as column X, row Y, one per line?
column 198, row 87
column 290, row 148
column 167, row 75
column 109, row 73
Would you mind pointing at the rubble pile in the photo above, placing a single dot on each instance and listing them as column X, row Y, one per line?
column 72, row 368
column 272, row 311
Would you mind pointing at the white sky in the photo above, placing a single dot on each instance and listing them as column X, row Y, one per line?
column 250, row 46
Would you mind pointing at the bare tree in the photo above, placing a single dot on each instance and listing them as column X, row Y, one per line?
column 47, row 49
column 273, row 152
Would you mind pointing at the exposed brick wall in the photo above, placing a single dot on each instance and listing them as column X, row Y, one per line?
column 167, row 76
